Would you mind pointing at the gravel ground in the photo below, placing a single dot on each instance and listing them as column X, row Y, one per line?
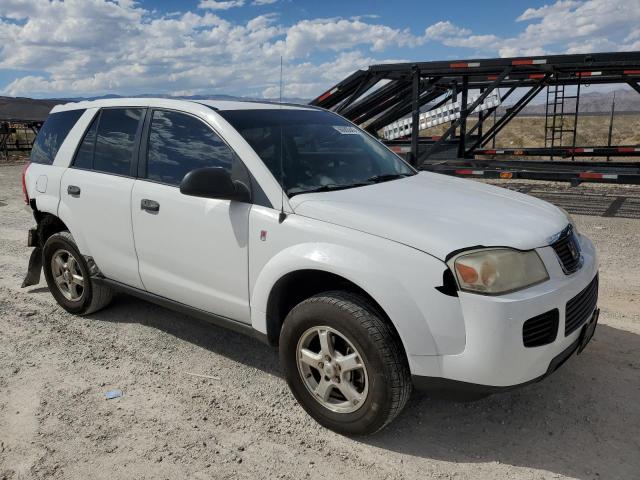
column 582, row 422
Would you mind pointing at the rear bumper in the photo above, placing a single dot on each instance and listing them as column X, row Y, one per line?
column 494, row 357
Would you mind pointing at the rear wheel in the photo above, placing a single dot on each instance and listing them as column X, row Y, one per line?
column 344, row 363
column 67, row 275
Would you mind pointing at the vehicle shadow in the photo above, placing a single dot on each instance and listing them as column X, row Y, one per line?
column 235, row 346
column 582, row 422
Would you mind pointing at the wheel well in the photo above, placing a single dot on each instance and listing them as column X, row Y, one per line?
column 48, row 224
column 297, row 286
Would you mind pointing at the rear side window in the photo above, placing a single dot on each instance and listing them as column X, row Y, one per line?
column 115, row 140
column 108, row 145
column 52, row 134
column 179, row 143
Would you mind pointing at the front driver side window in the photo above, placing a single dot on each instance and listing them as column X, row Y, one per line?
column 179, row 143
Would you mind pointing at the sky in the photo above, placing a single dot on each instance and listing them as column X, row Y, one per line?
column 73, row 48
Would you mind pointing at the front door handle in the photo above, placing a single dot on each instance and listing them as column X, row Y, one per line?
column 149, row 205
column 73, row 191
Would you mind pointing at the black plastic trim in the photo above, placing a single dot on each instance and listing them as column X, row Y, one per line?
column 452, row 254
column 142, row 136
column 449, row 285
column 212, row 318
column 541, row 329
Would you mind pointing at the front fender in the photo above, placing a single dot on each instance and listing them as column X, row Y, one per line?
column 379, row 277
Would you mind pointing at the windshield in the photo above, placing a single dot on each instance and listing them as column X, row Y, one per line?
column 321, row 151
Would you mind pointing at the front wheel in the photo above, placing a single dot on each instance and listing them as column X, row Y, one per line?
column 344, row 363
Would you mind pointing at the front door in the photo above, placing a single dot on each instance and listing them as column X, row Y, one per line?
column 191, row 250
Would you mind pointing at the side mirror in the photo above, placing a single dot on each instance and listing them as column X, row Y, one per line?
column 213, row 182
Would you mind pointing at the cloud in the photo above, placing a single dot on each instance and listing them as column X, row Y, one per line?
column 547, row 10
column 263, row 2
column 340, row 34
column 442, row 31
column 220, row 5
column 453, row 36
column 94, row 47
column 307, row 80
column 566, row 26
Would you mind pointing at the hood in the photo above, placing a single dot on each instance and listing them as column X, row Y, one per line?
column 438, row 214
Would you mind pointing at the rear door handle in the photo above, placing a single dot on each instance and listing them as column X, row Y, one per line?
column 149, row 205
column 73, row 191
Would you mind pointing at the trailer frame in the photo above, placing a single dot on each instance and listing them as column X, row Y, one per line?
column 408, row 89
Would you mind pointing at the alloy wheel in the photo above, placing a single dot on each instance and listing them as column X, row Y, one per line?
column 332, row 369
column 67, row 275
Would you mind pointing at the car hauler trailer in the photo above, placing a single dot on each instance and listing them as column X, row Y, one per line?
column 396, row 101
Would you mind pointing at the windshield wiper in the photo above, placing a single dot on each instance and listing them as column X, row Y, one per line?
column 387, row 176
column 343, row 186
column 330, row 187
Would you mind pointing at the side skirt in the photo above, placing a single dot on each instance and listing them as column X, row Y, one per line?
column 212, row 318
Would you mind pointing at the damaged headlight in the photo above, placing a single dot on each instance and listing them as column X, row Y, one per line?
column 495, row 271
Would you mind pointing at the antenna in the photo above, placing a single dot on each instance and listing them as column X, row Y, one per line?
column 283, row 215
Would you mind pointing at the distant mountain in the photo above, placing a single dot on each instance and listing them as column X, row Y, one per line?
column 26, row 108
column 627, row 100
column 21, row 108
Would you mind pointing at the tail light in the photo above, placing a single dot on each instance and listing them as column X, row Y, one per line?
column 24, row 183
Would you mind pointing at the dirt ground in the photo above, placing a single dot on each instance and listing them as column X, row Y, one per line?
column 592, row 130
column 529, row 131
column 583, row 422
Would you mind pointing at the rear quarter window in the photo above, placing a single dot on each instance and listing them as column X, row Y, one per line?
column 52, row 134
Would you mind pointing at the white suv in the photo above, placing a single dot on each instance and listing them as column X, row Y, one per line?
column 291, row 224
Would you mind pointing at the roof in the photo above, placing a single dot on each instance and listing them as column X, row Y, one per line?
column 175, row 103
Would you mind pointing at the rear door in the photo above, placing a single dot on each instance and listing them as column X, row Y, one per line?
column 96, row 192
column 191, row 250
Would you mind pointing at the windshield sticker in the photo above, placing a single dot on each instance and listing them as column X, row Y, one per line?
column 346, row 130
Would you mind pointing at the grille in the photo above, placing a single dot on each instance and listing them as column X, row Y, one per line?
column 541, row 330
column 580, row 307
column 567, row 249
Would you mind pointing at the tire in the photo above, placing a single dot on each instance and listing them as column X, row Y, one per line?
column 380, row 389
column 70, row 295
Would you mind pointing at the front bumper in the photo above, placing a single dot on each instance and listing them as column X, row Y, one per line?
column 494, row 354
column 462, row 391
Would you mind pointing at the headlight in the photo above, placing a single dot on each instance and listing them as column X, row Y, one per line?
column 494, row 271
